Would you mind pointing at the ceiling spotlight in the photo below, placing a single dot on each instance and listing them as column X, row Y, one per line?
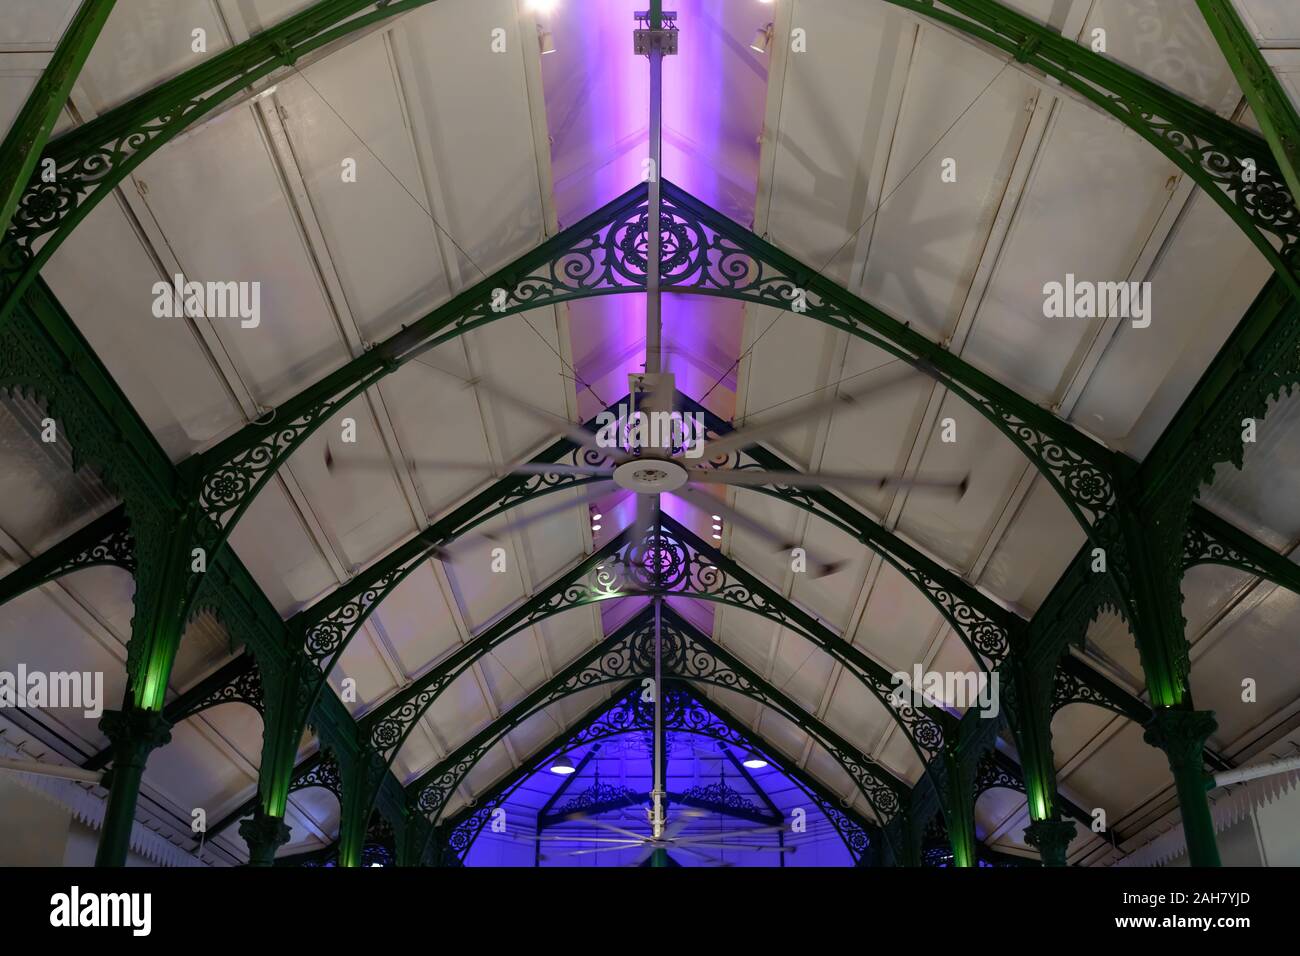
column 717, row 517
column 545, row 42
column 762, row 39
column 563, row 766
column 716, row 536
column 754, row 761
column 717, row 527
column 541, row 6
column 595, row 527
column 597, row 516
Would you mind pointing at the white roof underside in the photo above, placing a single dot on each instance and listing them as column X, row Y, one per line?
column 445, row 130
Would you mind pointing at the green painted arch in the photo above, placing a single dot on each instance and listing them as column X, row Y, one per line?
column 387, row 727
column 571, row 744
column 593, row 670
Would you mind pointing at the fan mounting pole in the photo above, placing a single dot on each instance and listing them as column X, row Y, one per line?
column 654, row 41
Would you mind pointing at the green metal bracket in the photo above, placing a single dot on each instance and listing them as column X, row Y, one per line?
column 22, row 146
column 1273, row 108
column 1232, row 164
column 458, row 834
column 628, row 654
column 94, row 158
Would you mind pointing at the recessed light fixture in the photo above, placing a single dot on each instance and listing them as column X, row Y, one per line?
column 597, row 516
column 762, row 42
column 563, row 766
column 595, row 527
column 541, row 6
column 717, row 517
column 545, row 42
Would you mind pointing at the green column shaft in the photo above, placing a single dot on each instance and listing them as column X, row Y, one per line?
column 134, row 735
column 1181, row 734
column 959, row 811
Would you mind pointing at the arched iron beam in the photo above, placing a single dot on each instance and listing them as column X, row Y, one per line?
column 27, row 136
column 697, row 571
column 688, row 655
column 597, row 257
column 236, row 681
column 460, row 831
column 95, row 157
column 1231, row 163
column 106, row 541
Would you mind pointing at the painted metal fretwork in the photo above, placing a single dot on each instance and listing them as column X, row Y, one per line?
column 628, row 715
column 687, row 655
column 1233, row 164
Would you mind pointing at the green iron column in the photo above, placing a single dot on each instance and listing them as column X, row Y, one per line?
column 1154, row 573
column 959, row 806
column 1182, row 734
column 1030, row 714
column 134, row 733
column 419, row 836
column 139, row 728
column 288, row 700
column 264, row 834
column 360, row 785
column 1052, row 839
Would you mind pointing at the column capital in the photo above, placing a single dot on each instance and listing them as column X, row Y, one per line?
column 134, row 733
column 1052, row 839
column 264, row 834
column 1181, row 734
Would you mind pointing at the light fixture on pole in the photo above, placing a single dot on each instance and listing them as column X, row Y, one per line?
column 563, row 766
column 545, row 42
column 762, row 42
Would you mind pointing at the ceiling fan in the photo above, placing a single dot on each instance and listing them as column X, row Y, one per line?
column 672, row 839
column 649, row 461
column 660, row 463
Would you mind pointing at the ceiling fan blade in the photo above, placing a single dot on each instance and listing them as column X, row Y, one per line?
column 385, row 463
column 711, row 504
column 574, row 433
column 717, row 860
column 546, row 838
column 756, row 477
column 589, row 493
column 680, row 819
column 605, row 849
column 743, row 832
column 609, row 826
column 747, row 435
column 758, row 847
column 643, row 854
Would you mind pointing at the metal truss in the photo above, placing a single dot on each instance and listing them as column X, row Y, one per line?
column 628, row 654
column 1233, row 164
column 1141, row 515
column 457, row 835
column 106, row 541
column 1270, row 102
column 689, row 568
column 31, row 128
column 95, row 157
